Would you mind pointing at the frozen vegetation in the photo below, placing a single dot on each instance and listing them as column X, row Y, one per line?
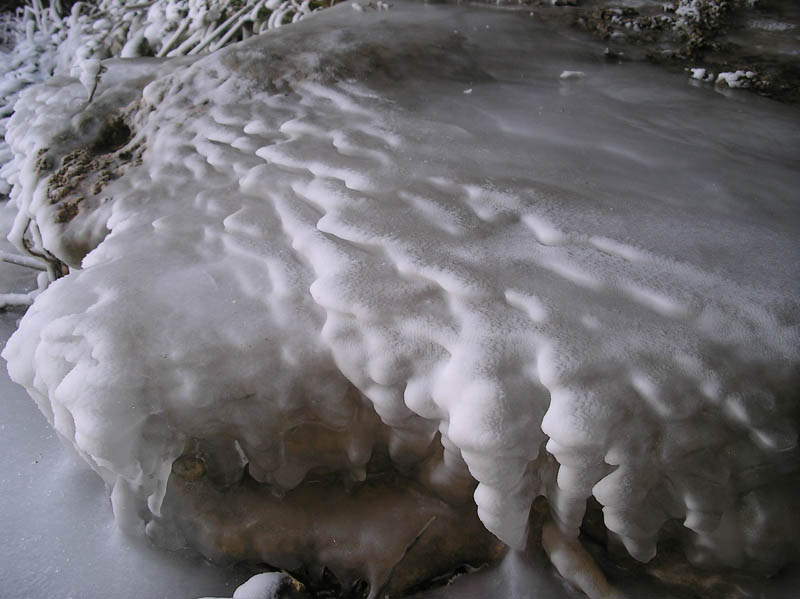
column 406, row 287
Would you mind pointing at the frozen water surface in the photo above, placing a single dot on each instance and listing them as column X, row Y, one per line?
column 401, row 240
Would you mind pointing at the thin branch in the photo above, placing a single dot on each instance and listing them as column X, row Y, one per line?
column 220, row 29
column 231, row 32
column 173, row 38
column 17, row 299
column 186, row 44
column 26, row 261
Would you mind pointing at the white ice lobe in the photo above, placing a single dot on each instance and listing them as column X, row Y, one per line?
column 317, row 230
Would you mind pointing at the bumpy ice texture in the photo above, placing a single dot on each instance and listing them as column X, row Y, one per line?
column 284, row 263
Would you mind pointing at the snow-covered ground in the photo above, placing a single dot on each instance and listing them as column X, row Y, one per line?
column 392, row 230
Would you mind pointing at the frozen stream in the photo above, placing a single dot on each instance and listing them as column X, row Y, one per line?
column 514, row 200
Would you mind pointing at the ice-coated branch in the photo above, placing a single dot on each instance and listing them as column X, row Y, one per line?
column 16, row 299
column 190, row 41
column 26, row 237
column 26, row 261
column 25, row 299
column 251, row 16
column 228, row 23
column 171, row 41
column 33, row 248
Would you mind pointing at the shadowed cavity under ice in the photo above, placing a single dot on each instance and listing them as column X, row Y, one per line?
column 314, row 249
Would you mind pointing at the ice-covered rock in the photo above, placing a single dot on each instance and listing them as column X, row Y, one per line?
column 312, row 249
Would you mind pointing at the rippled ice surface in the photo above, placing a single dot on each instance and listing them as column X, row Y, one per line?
column 617, row 143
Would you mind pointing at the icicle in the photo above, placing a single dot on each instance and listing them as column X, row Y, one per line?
column 201, row 46
column 173, row 38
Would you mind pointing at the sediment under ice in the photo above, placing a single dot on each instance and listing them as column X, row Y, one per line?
column 313, row 248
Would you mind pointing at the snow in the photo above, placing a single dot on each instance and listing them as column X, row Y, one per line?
column 698, row 73
column 301, row 265
column 265, row 586
column 735, row 78
column 89, row 70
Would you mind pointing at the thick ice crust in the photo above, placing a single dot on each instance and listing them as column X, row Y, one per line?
column 310, row 234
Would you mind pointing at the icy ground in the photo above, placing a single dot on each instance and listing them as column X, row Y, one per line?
column 580, row 278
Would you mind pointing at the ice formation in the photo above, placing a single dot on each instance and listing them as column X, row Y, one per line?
column 312, row 249
column 41, row 40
